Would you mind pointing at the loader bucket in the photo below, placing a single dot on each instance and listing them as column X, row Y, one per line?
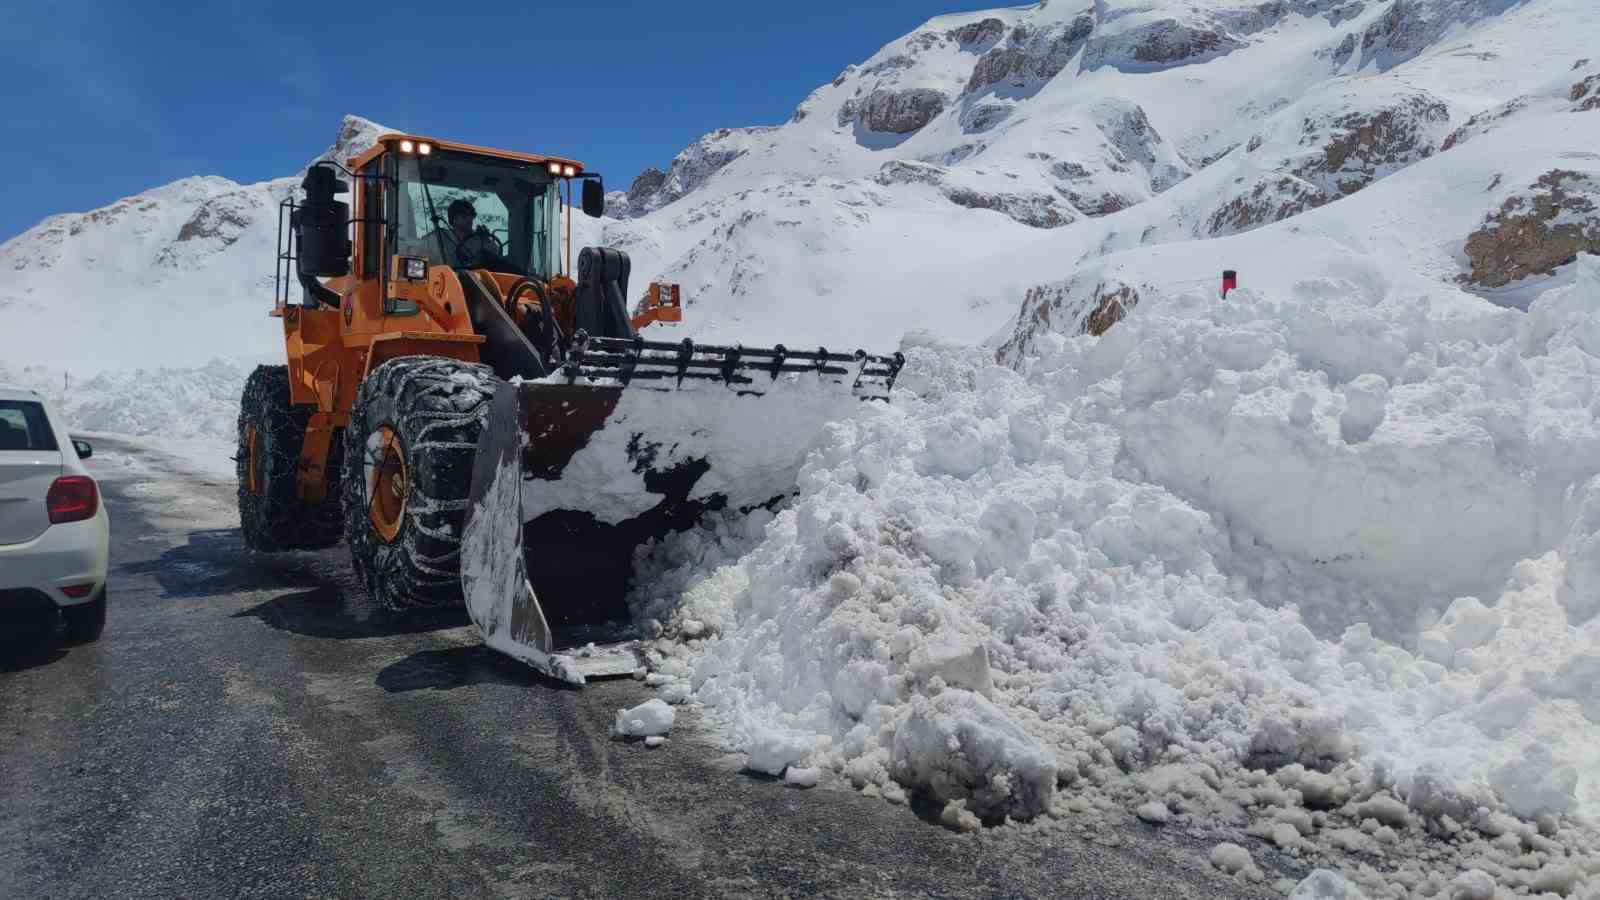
column 627, row 441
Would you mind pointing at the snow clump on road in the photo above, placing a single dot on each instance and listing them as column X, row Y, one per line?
column 651, row 718
column 1317, row 568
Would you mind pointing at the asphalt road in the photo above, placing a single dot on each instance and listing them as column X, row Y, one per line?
column 250, row 727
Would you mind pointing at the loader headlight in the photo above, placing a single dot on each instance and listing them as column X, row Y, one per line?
column 555, row 168
column 415, row 269
column 424, row 148
column 569, row 171
column 407, row 146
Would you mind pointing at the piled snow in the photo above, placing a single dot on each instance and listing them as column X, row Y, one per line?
column 651, row 718
column 192, row 413
column 1172, row 566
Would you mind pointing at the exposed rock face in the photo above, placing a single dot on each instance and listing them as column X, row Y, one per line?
column 217, row 223
column 1135, row 163
column 1271, row 199
column 1029, row 55
column 1411, row 26
column 1067, row 309
column 649, row 182
column 1161, row 44
column 1585, row 95
column 218, row 220
column 1032, row 208
column 977, row 35
column 894, row 112
column 1535, row 232
column 984, row 116
column 690, row 169
column 1332, row 156
column 356, row 136
column 1361, row 147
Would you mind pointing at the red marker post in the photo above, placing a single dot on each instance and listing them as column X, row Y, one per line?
column 1230, row 281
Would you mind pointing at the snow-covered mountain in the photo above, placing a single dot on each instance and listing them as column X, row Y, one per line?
column 933, row 184
column 1315, row 566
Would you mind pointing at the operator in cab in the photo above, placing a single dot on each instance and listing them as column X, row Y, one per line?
column 462, row 244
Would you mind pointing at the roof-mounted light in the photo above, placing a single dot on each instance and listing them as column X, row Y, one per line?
column 407, row 146
column 424, row 148
column 569, row 171
column 555, row 168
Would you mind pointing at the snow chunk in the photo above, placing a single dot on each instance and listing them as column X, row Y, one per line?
column 1473, row 884
column 1155, row 812
column 960, row 661
column 1235, row 860
column 1323, row 884
column 773, row 751
column 961, row 746
column 802, row 777
column 1535, row 783
column 650, row 718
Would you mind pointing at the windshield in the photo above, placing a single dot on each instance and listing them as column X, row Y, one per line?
column 461, row 210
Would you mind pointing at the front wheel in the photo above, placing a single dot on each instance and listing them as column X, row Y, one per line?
column 408, row 459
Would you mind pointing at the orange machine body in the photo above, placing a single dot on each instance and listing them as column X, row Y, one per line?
column 332, row 349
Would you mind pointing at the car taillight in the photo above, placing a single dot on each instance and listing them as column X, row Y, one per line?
column 72, row 498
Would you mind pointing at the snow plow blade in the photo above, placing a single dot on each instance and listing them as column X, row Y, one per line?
column 626, row 442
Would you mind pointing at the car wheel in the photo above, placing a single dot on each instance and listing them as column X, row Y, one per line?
column 86, row 621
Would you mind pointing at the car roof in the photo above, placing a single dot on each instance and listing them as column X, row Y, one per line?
column 10, row 392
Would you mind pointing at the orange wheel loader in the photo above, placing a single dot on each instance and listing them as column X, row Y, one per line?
column 481, row 427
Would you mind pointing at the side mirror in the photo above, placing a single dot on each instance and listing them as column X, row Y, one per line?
column 594, row 198
column 84, row 450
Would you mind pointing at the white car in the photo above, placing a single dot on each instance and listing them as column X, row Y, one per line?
column 54, row 534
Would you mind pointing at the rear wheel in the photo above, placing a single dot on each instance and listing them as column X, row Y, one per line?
column 408, row 459
column 272, row 516
column 86, row 621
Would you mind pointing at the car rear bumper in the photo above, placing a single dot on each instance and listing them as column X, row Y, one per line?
column 64, row 555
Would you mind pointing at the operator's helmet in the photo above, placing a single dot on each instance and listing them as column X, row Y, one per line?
column 462, row 208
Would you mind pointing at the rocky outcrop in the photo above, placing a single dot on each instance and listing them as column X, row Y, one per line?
column 1159, row 45
column 690, row 169
column 1535, row 232
column 1031, row 208
column 894, row 111
column 1067, row 308
column 356, row 136
column 1030, row 55
column 1360, row 147
column 980, row 35
column 1412, row 26
column 1272, row 198
column 1133, row 164
column 1035, row 209
column 1331, row 155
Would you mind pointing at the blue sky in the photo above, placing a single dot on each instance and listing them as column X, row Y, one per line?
column 106, row 99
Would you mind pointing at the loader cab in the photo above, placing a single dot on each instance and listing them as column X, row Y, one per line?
column 516, row 208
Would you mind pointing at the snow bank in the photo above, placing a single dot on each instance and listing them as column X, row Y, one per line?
column 1218, row 558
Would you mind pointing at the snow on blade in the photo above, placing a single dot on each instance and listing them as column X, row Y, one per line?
column 753, row 445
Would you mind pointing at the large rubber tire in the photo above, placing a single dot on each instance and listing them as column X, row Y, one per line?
column 86, row 621
column 430, row 411
column 272, row 516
